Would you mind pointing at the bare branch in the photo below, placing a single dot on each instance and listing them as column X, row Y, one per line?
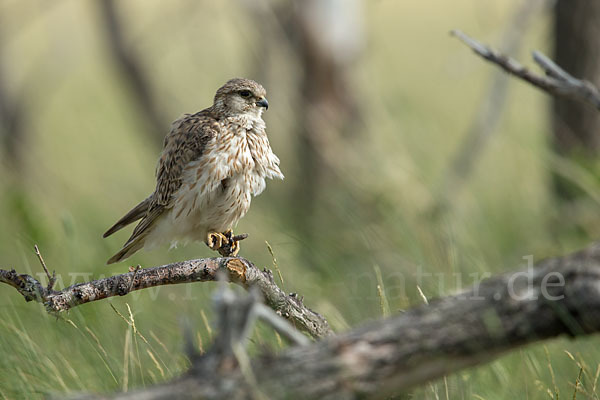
column 280, row 325
column 235, row 319
column 51, row 278
column 237, row 270
column 557, row 82
column 560, row 296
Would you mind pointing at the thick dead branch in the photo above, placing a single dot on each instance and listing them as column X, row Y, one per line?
column 560, row 296
column 237, row 270
column 557, row 81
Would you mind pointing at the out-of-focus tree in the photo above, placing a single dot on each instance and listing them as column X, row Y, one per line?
column 490, row 111
column 12, row 122
column 325, row 39
column 132, row 71
column 576, row 126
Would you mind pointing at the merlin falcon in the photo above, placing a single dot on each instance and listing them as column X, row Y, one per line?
column 211, row 165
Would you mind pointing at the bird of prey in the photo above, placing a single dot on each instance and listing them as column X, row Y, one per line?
column 211, row 165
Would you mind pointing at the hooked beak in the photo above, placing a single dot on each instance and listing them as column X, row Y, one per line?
column 263, row 103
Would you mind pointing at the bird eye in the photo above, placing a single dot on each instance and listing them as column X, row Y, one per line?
column 245, row 93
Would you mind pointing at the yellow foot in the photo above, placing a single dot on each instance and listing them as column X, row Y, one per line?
column 216, row 240
column 231, row 247
column 234, row 243
column 225, row 243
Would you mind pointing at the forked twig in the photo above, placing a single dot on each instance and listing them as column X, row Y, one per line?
column 556, row 82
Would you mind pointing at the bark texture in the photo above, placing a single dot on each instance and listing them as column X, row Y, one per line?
column 560, row 296
column 237, row 270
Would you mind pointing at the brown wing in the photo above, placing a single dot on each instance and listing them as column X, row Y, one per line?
column 133, row 215
column 185, row 142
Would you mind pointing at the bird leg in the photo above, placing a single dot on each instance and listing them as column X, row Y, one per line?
column 226, row 243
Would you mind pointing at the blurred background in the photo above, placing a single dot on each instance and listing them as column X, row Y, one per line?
column 409, row 163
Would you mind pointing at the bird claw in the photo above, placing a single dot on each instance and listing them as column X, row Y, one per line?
column 215, row 240
column 225, row 243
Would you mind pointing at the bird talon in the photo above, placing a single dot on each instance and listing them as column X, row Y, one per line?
column 230, row 244
column 215, row 240
column 235, row 248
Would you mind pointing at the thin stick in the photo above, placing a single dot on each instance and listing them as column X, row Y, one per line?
column 135, row 271
column 239, row 237
column 51, row 278
column 275, row 264
column 280, row 325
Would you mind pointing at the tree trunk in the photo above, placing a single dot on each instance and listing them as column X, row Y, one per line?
column 576, row 126
column 328, row 106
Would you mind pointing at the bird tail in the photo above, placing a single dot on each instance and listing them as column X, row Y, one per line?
column 128, row 250
column 138, row 237
column 136, row 213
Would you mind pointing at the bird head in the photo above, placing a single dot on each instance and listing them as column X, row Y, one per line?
column 241, row 96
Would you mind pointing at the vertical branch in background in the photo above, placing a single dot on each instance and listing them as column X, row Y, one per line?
column 490, row 110
column 12, row 121
column 576, row 127
column 132, row 72
column 327, row 37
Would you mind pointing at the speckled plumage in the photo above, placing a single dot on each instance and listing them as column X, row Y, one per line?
column 211, row 165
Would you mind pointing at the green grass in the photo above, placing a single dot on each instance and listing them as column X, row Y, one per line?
column 88, row 161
